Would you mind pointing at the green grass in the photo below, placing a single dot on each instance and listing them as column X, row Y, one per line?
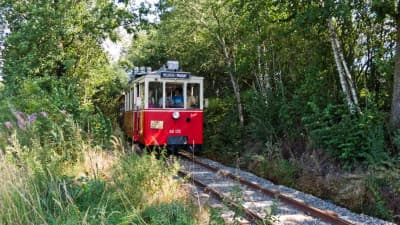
column 42, row 182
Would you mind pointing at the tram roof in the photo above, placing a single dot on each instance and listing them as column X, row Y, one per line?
column 165, row 75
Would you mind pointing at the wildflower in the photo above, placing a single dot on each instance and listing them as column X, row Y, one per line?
column 20, row 120
column 8, row 124
column 44, row 114
column 31, row 118
column 21, row 113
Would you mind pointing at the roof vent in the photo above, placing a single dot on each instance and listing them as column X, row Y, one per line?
column 173, row 65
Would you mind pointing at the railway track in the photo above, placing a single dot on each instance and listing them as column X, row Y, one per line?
column 258, row 204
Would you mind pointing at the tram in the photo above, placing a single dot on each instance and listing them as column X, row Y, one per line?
column 165, row 108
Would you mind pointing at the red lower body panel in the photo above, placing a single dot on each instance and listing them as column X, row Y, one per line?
column 158, row 127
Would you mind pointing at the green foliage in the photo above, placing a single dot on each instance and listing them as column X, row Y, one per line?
column 57, row 39
column 221, row 128
column 215, row 217
column 176, row 213
column 44, row 94
column 148, row 178
column 33, row 192
column 396, row 138
column 48, row 198
column 89, row 194
column 267, row 118
column 101, row 128
column 379, row 207
column 352, row 139
column 55, row 54
column 383, row 8
column 51, row 140
column 59, row 99
column 270, row 163
column 261, row 115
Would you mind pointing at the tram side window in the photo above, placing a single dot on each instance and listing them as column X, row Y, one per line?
column 155, row 95
column 140, row 98
column 136, row 97
column 131, row 100
column 192, row 95
column 126, row 102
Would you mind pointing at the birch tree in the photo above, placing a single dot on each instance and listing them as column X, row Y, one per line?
column 346, row 80
column 228, row 52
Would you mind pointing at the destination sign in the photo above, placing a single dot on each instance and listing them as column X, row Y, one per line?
column 177, row 75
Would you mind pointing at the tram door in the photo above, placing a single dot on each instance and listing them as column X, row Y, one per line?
column 138, row 111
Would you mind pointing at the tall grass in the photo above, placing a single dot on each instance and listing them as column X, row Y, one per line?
column 51, row 172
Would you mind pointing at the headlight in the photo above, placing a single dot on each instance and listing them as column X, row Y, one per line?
column 176, row 115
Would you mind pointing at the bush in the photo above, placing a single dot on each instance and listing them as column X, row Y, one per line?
column 271, row 164
column 271, row 118
column 261, row 116
column 351, row 138
column 222, row 131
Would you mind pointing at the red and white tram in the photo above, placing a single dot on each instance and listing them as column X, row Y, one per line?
column 165, row 108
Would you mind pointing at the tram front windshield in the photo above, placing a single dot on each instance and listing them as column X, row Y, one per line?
column 174, row 95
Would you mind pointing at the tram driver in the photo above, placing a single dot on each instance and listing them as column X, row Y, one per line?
column 178, row 98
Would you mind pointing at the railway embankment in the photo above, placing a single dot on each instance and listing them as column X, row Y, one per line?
column 315, row 173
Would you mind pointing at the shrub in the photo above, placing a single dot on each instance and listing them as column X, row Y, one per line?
column 271, row 164
column 222, row 131
column 261, row 115
column 350, row 138
column 272, row 118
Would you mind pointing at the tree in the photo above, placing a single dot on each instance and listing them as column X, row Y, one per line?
column 346, row 80
column 60, row 39
column 395, row 111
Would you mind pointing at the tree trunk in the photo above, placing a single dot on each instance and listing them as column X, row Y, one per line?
column 235, row 85
column 259, row 70
column 228, row 59
column 395, row 111
column 266, row 75
column 262, row 76
column 347, row 72
column 339, row 65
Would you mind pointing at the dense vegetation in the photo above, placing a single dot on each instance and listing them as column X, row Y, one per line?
column 303, row 92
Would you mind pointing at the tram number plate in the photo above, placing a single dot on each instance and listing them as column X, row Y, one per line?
column 156, row 124
column 177, row 131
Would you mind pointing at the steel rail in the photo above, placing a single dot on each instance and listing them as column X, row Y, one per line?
column 252, row 215
column 327, row 216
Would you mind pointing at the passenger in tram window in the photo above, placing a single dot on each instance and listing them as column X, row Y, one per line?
column 151, row 100
column 191, row 100
column 178, row 98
